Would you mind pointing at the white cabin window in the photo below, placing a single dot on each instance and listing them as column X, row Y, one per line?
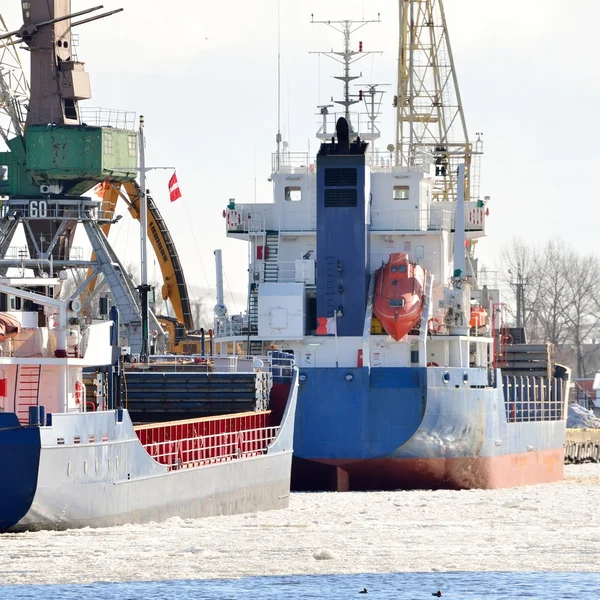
column 131, row 145
column 401, row 192
column 108, row 145
column 293, row 194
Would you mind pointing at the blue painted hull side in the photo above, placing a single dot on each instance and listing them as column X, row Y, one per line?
column 19, row 461
column 410, row 413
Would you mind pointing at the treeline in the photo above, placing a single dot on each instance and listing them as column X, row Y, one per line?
column 555, row 290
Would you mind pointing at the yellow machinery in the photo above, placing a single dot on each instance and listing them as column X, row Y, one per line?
column 182, row 339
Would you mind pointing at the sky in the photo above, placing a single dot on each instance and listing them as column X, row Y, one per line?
column 204, row 75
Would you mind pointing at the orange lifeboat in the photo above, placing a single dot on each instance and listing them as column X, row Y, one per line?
column 398, row 301
column 478, row 317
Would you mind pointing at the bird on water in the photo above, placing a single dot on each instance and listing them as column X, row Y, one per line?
column 364, row 591
column 438, row 594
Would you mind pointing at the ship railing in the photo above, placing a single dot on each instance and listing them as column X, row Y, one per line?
column 411, row 220
column 279, row 364
column 296, row 271
column 439, row 216
column 583, row 397
column 534, row 398
column 96, row 116
column 222, row 364
column 252, row 218
column 22, row 253
column 381, row 161
column 233, row 325
column 362, row 125
column 275, row 362
column 291, row 162
column 198, row 442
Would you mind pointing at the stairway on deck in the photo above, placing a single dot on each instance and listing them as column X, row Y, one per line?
column 27, row 390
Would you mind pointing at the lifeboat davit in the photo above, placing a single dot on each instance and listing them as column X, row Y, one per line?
column 399, row 291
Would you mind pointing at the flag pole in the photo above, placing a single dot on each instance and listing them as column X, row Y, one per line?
column 335, row 316
column 144, row 288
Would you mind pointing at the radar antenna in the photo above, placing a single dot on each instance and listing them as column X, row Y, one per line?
column 346, row 57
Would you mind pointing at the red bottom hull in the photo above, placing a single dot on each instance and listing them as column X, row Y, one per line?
column 511, row 470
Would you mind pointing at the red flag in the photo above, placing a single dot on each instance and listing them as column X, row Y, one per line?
column 326, row 326
column 174, row 191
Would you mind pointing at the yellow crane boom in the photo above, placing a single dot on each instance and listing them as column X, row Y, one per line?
column 174, row 286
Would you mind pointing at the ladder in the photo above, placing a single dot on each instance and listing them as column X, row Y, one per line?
column 271, row 260
column 256, row 348
column 27, row 390
column 253, row 308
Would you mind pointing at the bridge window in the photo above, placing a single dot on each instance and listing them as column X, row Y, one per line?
column 293, row 194
column 401, row 192
column 70, row 109
column 131, row 145
column 398, row 269
column 108, row 145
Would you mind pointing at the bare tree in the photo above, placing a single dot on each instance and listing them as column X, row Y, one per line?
column 582, row 274
column 552, row 299
column 521, row 275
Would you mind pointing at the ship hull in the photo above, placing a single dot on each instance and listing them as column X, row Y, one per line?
column 511, row 470
column 401, row 428
column 57, row 484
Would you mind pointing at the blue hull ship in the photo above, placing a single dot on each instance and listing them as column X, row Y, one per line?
column 460, row 401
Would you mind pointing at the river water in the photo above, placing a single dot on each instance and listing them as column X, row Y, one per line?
column 394, row 543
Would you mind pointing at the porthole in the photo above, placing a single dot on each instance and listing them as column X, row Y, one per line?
column 446, row 377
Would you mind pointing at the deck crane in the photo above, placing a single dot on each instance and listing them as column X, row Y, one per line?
column 55, row 156
column 57, row 151
column 430, row 120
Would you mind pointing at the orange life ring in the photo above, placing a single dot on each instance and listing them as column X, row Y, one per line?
column 224, row 213
column 432, row 364
column 435, row 325
column 78, row 392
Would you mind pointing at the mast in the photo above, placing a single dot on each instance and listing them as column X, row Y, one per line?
column 143, row 288
column 347, row 57
column 430, row 120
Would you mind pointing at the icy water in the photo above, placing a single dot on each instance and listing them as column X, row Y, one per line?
column 532, row 542
column 394, row 586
